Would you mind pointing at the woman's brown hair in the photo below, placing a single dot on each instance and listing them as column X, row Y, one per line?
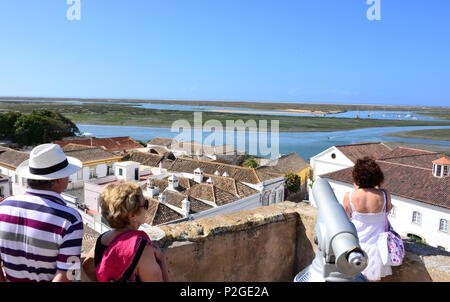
column 367, row 173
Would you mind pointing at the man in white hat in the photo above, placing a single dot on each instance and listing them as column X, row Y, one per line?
column 40, row 236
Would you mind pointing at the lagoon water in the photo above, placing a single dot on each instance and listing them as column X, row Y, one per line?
column 305, row 144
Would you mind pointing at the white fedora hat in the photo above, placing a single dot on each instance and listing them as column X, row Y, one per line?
column 47, row 162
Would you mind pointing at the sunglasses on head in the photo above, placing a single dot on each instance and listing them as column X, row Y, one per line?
column 146, row 204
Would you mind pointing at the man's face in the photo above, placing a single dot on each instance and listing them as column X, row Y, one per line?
column 65, row 183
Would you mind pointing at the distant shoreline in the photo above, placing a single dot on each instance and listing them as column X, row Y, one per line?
column 238, row 104
column 98, row 113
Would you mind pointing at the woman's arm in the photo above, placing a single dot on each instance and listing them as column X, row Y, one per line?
column 89, row 266
column 346, row 205
column 147, row 268
column 161, row 259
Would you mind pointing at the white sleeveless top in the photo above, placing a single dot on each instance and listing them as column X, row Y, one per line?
column 369, row 226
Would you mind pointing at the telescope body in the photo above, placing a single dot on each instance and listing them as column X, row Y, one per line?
column 338, row 255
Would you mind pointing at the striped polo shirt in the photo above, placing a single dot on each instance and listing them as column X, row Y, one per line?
column 39, row 234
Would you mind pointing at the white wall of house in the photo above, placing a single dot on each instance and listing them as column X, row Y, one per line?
column 18, row 184
column 4, row 188
column 92, row 193
column 249, row 202
column 90, row 171
column 401, row 218
column 329, row 161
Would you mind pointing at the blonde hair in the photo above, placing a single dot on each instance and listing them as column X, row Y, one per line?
column 119, row 200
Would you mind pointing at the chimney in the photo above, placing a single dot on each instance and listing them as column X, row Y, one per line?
column 198, row 175
column 162, row 198
column 151, row 189
column 185, row 207
column 173, row 182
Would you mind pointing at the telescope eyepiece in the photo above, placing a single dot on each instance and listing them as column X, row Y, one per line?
column 356, row 259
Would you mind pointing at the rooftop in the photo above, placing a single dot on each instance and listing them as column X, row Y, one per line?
column 355, row 151
column 288, row 163
column 111, row 144
column 88, row 154
column 408, row 174
column 241, row 174
column 12, row 158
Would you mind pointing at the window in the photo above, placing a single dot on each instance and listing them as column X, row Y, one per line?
column 416, row 217
column 438, row 170
column 333, row 156
column 445, row 170
column 109, row 170
column 120, row 171
column 265, row 199
column 92, row 173
column 443, row 225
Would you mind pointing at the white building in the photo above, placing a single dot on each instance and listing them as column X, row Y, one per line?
column 4, row 186
column 344, row 156
column 176, row 196
column 418, row 182
column 10, row 159
column 269, row 184
column 96, row 161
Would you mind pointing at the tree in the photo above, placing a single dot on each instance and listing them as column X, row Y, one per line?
column 250, row 163
column 7, row 121
column 42, row 127
column 292, row 182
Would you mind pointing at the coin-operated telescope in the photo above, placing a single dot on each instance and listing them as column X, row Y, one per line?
column 338, row 255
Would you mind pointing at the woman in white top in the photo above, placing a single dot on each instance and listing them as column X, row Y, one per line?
column 366, row 207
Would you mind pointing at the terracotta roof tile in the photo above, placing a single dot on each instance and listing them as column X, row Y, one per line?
column 411, row 157
column 11, row 157
column 246, row 175
column 442, row 161
column 159, row 213
column 161, row 141
column 111, row 144
column 87, row 154
column 148, row 159
column 355, row 151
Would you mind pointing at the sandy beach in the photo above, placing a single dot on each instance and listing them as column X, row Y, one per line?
column 283, row 111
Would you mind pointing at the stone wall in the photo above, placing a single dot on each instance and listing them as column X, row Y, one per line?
column 270, row 244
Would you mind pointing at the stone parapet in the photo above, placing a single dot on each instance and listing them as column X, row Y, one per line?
column 271, row 243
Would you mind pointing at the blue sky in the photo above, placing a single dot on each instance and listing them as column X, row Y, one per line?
column 324, row 51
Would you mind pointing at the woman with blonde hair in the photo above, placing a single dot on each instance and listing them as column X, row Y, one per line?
column 124, row 253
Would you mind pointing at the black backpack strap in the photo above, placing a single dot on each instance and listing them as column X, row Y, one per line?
column 127, row 274
column 99, row 250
